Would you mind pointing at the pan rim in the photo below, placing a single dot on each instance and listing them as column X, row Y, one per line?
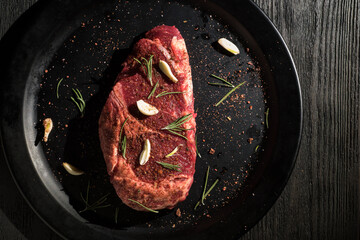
column 3, row 132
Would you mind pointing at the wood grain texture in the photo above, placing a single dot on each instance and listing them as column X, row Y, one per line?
column 321, row 200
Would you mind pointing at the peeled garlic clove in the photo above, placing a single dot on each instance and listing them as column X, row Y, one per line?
column 165, row 68
column 146, row 108
column 145, row 154
column 229, row 46
column 72, row 170
column 48, row 125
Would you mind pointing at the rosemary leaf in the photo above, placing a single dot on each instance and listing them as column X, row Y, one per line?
column 149, row 209
column 76, row 103
column 220, row 84
column 123, row 142
column 122, row 127
column 222, row 79
column 167, row 93
column 205, row 185
column 170, row 166
column 140, row 64
column 124, row 147
column 178, row 134
column 138, row 61
column 267, row 118
column 87, row 192
column 197, row 152
column 149, row 68
column 197, row 204
column 230, row 92
column 153, row 90
column 211, row 188
column 57, row 88
column 116, row 214
column 206, row 193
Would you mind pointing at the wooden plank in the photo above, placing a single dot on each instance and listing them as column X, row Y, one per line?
column 321, row 200
column 10, row 10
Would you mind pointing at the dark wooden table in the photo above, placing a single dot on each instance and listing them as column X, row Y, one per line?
column 321, row 199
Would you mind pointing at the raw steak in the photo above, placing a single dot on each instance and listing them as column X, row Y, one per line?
column 152, row 185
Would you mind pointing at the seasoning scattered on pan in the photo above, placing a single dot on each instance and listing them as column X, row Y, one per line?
column 219, row 116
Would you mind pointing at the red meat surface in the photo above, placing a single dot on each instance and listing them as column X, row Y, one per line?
column 151, row 184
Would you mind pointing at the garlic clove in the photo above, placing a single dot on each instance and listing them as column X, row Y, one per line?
column 72, row 170
column 229, row 46
column 48, row 125
column 145, row 154
column 146, row 108
column 165, row 68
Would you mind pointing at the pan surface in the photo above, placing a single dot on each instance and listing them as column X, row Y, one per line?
column 250, row 141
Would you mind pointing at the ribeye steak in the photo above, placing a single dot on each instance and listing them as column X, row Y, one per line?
column 152, row 185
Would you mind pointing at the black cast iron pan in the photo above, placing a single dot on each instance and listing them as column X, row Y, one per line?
column 255, row 133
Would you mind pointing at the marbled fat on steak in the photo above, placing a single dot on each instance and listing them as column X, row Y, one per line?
column 151, row 184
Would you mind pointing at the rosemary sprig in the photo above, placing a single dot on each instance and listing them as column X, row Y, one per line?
column 149, row 209
column 96, row 205
column 148, row 67
column 57, row 88
column 167, row 93
column 206, row 193
column 116, row 215
column 228, row 84
column 153, row 90
column 79, row 101
column 197, row 152
column 220, row 84
column 175, row 126
column 178, row 122
column 228, row 94
column 267, row 118
column 123, row 142
column 170, row 166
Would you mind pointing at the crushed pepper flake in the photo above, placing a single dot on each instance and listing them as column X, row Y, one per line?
column 212, row 151
column 178, row 212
